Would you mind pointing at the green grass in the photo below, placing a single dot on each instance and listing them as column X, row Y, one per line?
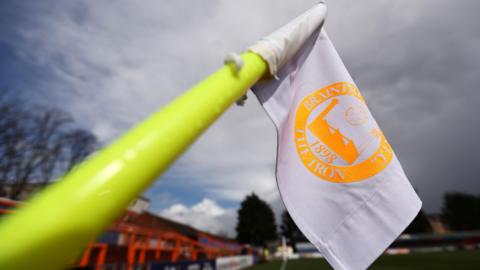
column 457, row 260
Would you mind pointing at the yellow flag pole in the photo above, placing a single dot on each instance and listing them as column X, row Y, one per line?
column 51, row 230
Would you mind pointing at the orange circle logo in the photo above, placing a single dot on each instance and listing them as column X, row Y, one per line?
column 336, row 137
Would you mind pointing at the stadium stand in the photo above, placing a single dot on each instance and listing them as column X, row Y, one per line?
column 139, row 238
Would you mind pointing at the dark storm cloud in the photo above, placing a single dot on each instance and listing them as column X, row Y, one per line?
column 418, row 63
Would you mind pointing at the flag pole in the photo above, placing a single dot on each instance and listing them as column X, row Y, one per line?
column 51, row 230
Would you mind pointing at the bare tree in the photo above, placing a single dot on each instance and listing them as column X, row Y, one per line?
column 38, row 145
column 81, row 144
column 10, row 136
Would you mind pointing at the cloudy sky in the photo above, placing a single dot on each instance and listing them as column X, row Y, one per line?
column 112, row 63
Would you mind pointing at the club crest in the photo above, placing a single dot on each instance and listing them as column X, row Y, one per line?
column 336, row 137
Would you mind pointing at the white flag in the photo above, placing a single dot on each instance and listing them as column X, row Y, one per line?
column 337, row 174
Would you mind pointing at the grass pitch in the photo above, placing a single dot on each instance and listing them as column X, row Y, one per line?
column 458, row 260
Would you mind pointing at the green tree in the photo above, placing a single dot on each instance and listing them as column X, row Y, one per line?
column 256, row 222
column 290, row 230
column 420, row 224
column 461, row 211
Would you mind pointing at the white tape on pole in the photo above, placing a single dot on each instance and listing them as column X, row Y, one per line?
column 277, row 48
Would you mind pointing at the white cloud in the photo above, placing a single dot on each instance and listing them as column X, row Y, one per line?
column 206, row 215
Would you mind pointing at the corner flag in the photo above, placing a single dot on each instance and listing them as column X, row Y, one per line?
column 337, row 174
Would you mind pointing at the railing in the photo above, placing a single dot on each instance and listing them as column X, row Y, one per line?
column 7, row 205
